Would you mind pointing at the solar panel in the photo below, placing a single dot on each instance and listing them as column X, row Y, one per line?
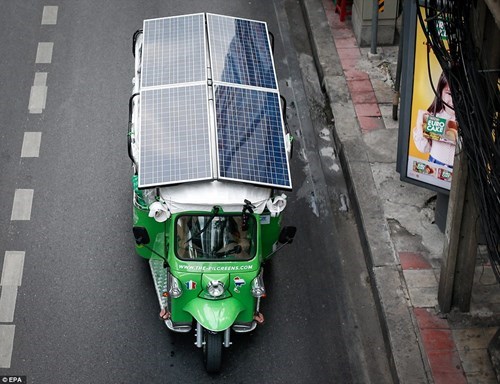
column 250, row 136
column 177, row 140
column 240, row 52
column 174, row 136
column 174, row 50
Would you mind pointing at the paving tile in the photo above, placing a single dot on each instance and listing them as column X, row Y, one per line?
column 367, row 123
column 360, row 86
column 449, row 378
column 386, row 110
column 367, row 109
column 481, row 377
column 348, row 63
column 426, row 318
column 420, row 278
column 364, row 97
column 341, row 33
column 473, row 338
column 423, row 297
column 383, row 90
column 355, row 74
column 413, row 260
column 437, row 339
column 476, row 360
column 349, row 53
column 346, row 42
column 444, row 362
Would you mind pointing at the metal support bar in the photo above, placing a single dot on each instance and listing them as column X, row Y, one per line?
column 373, row 49
column 227, row 338
column 199, row 335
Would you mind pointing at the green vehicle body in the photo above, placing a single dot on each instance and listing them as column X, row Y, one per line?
column 239, row 305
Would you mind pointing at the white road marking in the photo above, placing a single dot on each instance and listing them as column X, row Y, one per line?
column 44, row 53
column 21, row 208
column 6, row 344
column 12, row 271
column 12, row 276
column 38, row 94
column 40, row 78
column 8, row 298
column 31, row 144
column 49, row 15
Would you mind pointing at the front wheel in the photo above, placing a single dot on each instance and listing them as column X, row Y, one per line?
column 212, row 351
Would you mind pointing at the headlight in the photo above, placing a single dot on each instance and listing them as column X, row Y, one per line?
column 215, row 288
column 258, row 289
column 174, row 289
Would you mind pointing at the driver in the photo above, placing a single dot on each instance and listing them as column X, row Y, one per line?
column 234, row 243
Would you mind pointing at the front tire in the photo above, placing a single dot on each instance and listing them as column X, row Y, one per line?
column 212, row 351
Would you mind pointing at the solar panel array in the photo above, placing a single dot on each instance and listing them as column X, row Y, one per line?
column 176, row 142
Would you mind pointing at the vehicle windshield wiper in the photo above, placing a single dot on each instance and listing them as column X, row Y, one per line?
column 216, row 211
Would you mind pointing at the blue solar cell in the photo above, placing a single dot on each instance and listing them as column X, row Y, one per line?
column 251, row 143
column 240, row 52
column 174, row 50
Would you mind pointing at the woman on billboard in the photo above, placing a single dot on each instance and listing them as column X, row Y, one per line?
column 436, row 130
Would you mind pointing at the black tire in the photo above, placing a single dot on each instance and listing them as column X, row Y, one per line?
column 212, row 351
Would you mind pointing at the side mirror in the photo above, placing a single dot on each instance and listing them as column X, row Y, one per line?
column 141, row 235
column 287, row 234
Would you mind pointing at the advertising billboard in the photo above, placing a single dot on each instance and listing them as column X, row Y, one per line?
column 428, row 130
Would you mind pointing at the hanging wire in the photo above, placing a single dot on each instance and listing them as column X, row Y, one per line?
column 476, row 100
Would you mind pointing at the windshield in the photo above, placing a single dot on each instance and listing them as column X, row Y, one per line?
column 215, row 237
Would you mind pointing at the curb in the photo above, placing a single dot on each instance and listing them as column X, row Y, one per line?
column 398, row 323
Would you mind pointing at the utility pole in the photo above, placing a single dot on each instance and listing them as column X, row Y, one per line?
column 460, row 248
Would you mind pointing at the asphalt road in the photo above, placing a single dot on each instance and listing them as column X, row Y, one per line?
column 85, row 310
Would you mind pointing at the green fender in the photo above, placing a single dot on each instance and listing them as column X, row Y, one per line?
column 215, row 315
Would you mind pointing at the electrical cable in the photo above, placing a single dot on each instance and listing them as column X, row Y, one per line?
column 448, row 27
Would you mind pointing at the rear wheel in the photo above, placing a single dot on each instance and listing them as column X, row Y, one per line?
column 212, row 351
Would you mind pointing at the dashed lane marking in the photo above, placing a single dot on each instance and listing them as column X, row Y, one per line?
column 6, row 344
column 31, row 144
column 38, row 94
column 49, row 15
column 8, row 298
column 12, row 275
column 44, row 53
column 12, row 271
column 21, row 209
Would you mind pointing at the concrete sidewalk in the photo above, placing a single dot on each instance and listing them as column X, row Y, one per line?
column 403, row 246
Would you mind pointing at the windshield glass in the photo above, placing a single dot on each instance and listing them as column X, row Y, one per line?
column 215, row 237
